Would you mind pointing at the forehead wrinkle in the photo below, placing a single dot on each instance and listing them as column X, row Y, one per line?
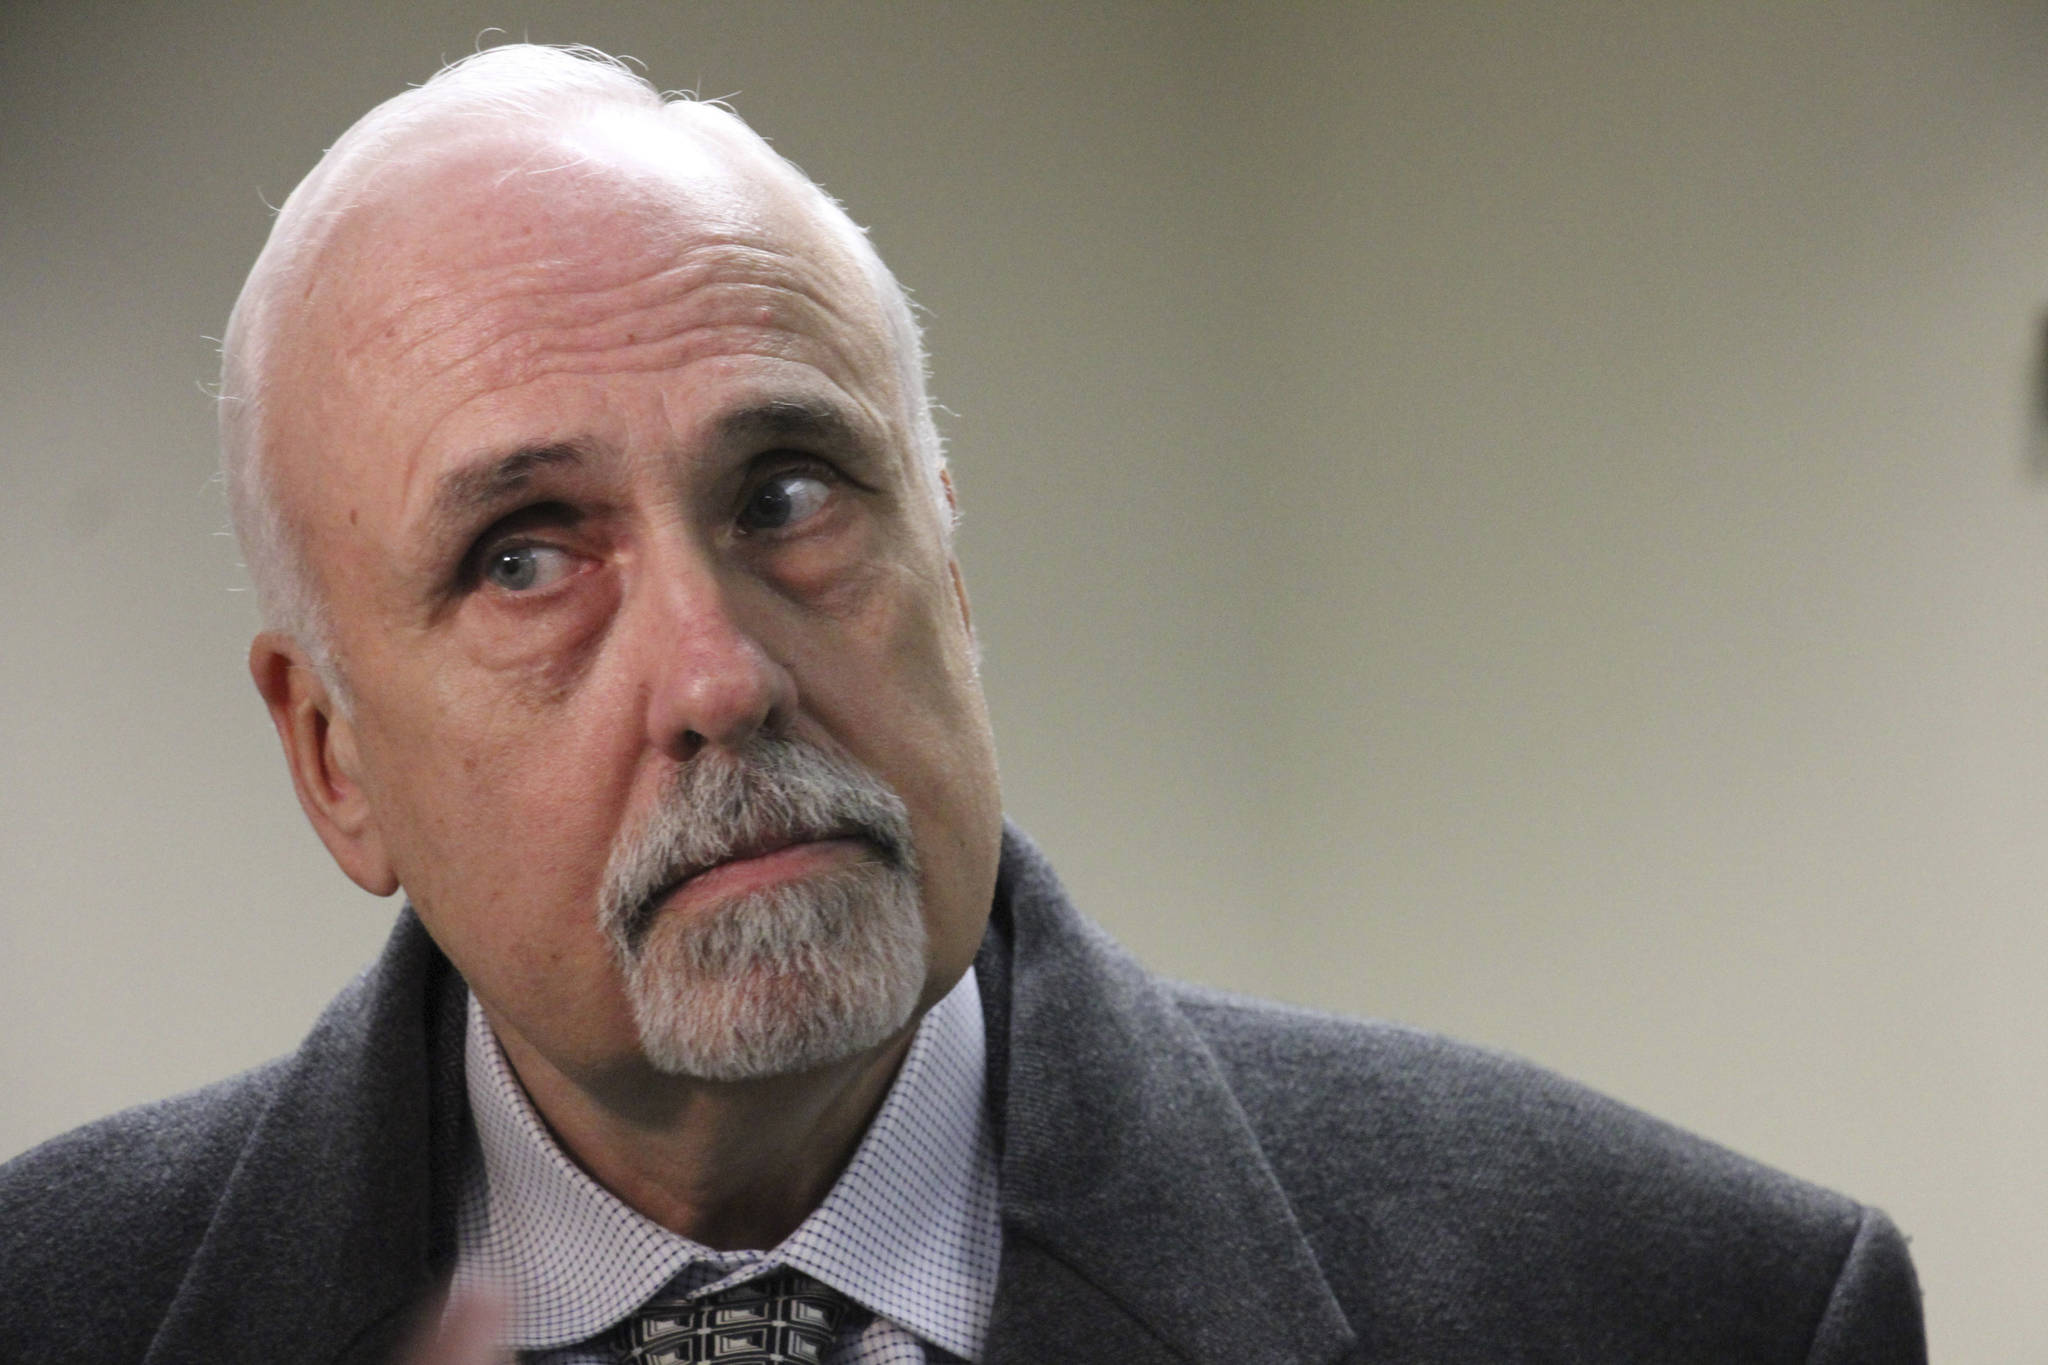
column 529, row 324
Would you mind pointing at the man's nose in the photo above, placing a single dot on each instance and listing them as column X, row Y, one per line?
column 712, row 683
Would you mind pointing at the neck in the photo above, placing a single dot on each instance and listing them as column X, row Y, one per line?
column 727, row 1164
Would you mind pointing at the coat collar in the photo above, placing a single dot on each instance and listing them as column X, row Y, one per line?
column 1141, row 1220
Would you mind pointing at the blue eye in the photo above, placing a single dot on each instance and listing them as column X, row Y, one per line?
column 784, row 501
column 522, row 568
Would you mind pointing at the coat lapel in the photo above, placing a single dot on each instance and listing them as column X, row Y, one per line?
column 338, row 1217
column 1141, row 1221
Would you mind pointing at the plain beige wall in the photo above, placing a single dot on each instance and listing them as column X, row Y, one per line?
column 1527, row 520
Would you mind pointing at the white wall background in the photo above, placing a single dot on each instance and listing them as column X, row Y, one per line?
column 1531, row 520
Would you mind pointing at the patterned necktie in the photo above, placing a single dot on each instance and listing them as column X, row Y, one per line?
column 786, row 1318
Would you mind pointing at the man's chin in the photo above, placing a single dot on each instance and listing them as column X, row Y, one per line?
column 749, row 1031
column 784, row 982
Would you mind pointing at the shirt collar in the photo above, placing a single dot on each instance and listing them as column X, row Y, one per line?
column 911, row 1230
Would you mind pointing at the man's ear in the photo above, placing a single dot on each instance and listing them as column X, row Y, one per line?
column 320, row 747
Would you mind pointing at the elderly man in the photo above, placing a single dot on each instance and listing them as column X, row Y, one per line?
column 581, row 456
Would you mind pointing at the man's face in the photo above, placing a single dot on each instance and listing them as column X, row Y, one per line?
column 605, row 475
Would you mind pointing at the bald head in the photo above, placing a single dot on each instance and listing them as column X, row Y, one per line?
column 512, row 142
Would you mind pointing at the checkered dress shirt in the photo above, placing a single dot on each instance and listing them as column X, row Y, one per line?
column 910, row 1233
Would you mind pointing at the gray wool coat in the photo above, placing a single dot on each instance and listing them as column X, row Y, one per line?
column 1186, row 1176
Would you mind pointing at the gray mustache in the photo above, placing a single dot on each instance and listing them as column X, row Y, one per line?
column 724, row 805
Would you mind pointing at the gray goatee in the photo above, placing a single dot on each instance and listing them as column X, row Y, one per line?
column 778, row 980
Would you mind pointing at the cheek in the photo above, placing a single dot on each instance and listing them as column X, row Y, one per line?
column 905, row 699
column 880, row 653
column 495, row 807
column 503, row 860
column 501, row 752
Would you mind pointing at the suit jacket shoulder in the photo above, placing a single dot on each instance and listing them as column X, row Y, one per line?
column 1486, row 1199
column 146, row 1181
column 297, row 1212
column 1200, row 1177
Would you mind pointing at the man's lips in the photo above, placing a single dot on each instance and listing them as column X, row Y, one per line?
column 769, row 864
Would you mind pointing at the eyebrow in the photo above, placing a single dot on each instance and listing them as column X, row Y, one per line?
column 790, row 418
column 465, row 494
